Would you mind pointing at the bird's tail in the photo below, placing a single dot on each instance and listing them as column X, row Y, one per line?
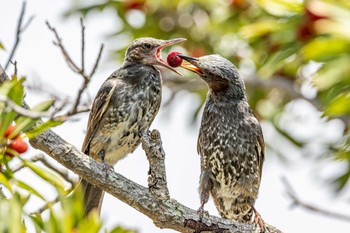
column 93, row 197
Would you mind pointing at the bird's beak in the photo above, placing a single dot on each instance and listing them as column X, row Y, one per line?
column 192, row 65
column 158, row 57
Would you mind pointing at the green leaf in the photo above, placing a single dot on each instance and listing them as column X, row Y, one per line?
column 41, row 128
column 282, row 7
column 24, row 123
column 90, row 224
column 2, row 46
column 325, row 48
column 259, row 28
column 38, row 221
column 343, row 179
column 47, row 175
column 30, row 189
column 276, row 61
column 119, row 229
column 332, row 73
column 15, row 215
column 13, row 89
column 339, row 106
column 4, row 181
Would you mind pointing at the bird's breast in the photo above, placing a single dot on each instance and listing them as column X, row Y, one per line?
column 131, row 112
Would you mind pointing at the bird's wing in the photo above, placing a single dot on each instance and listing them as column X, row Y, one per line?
column 99, row 108
column 261, row 148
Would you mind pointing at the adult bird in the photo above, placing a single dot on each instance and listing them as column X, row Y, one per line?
column 230, row 142
column 125, row 106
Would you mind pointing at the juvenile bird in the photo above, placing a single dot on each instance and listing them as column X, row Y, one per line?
column 230, row 142
column 125, row 106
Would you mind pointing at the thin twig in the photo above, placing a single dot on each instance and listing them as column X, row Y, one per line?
column 66, row 56
column 82, row 44
column 97, row 61
column 74, row 67
column 12, row 106
column 15, row 69
column 298, row 202
column 19, row 31
column 47, row 205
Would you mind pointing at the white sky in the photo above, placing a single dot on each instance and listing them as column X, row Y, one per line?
column 38, row 59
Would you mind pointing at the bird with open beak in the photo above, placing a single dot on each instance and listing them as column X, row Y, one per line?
column 230, row 143
column 124, row 108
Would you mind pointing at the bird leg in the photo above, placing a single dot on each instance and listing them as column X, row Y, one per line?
column 201, row 212
column 205, row 185
column 106, row 167
column 258, row 220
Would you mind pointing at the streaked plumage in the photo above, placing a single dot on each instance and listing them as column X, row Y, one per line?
column 230, row 142
column 124, row 107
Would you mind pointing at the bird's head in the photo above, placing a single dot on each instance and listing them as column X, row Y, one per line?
column 219, row 73
column 148, row 50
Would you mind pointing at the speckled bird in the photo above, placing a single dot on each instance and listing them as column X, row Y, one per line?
column 125, row 106
column 230, row 142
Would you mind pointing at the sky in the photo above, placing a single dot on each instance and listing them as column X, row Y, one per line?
column 42, row 63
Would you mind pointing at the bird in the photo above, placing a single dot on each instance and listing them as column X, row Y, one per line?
column 230, row 142
column 123, row 109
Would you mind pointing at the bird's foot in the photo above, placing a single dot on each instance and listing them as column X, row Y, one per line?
column 106, row 167
column 201, row 212
column 259, row 221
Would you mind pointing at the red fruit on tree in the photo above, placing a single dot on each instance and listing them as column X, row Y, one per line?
column 9, row 130
column 314, row 16
column 173, row 60
column 304, row 32
column 18, row 145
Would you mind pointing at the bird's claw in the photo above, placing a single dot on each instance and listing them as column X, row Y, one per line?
column 201, row 212
column 106, row 167
column 259, row 221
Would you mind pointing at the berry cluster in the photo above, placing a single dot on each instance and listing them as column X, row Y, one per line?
column 14, row 142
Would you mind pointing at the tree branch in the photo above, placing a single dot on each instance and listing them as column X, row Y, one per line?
column 73, row 66
column 152, row 202
column 296, row 201
column 165, row 213
column 19, row 31
column 157, row 181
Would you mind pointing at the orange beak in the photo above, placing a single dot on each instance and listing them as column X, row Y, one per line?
column 192, row 64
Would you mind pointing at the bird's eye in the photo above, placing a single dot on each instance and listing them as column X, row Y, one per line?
column 147, row 46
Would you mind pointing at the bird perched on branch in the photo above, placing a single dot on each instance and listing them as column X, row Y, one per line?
column 230, row 142
column 124, row 108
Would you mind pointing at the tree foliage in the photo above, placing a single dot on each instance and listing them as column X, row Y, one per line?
column 288, row 51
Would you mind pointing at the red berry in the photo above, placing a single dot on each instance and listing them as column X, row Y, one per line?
column 304, row 32
column 18, row 145
column 9, row 130
column 314, row 16
column 173, row 60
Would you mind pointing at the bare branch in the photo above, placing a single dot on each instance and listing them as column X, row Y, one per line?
column 19, row 31
column 97, row 61
column 157, row 181
column 82, row 44
column 46, row 206
column 74, row 67
column 66, row 56
column 15, row 68
column 296, row 201
column 165, row 214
